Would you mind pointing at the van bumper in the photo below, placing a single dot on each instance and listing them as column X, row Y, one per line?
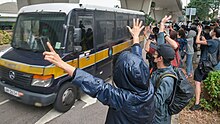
column 28, row 97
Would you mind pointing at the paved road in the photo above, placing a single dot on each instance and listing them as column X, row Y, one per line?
column 13, row 112
column 85, row 111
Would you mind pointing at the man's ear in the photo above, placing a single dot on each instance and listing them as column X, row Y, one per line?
column 160, row 58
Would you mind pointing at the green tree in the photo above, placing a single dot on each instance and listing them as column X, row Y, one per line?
column 204, row 7
column 214, row 6
column 149, row 19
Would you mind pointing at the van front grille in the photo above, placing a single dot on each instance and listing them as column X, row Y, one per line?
column 15, row 78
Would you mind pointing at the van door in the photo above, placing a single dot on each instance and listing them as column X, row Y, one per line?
column 104, row 40
column 85, row 21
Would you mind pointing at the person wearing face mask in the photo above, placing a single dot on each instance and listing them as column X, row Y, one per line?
column 207, row 47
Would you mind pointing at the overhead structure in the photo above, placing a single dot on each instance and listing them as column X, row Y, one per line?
column 157, row 10
column 139, row 5
column 166, row 7
column 8, row 15
column 22, row 3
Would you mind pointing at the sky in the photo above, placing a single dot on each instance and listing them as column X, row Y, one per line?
column 108, row 3
column 185, row 2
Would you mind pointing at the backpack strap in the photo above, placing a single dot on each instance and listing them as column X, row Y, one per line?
column 163, row 76
column 174, row 85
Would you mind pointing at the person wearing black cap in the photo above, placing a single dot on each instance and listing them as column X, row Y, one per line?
column 163, row 56
column 207, row 46
column 169, row 38
column 132, row 101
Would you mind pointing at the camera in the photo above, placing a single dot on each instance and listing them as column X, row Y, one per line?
column 151, row 37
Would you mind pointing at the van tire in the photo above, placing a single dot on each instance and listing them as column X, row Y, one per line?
column 66, row 97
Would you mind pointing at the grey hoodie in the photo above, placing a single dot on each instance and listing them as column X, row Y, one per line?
column 190, row 40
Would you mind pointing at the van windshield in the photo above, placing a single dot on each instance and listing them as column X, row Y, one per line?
column 33, row 30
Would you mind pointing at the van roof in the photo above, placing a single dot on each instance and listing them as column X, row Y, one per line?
column 67, row 7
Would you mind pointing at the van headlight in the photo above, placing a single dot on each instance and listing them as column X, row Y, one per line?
column 42, row 81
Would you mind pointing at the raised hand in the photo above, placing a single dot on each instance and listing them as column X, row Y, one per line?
column 165, row 19
column 137, row 27
column 135, row 31
column 53, row 57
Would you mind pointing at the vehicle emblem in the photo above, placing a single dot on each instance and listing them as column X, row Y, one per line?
column 11, row 75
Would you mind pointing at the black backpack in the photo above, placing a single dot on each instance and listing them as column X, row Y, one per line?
column 183, row 91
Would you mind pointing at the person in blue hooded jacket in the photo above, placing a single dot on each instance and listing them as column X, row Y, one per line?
column 132, row 101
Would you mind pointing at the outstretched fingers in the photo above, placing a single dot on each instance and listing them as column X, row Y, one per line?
column 140, row 24
column 168, row 18
column 133, row 22
column 130, row 30
column 141, row 28
column 137, row 22
column 50, row 47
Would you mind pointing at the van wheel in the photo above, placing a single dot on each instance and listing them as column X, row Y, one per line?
column 65, row 98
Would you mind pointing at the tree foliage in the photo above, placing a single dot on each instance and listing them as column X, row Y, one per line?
column 205, row 8
column 5, row 37
column 149, row 19
column 212, row 86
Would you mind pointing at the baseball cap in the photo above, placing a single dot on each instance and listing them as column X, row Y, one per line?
column 166, row 51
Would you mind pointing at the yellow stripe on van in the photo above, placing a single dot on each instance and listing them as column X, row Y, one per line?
column 120, row 47
column 21, row 67
column 57, row 72
column 101, row 55
column 85, row 62
column 31, row 69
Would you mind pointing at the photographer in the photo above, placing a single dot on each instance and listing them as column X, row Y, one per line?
column 150, row 45
column 201, row 72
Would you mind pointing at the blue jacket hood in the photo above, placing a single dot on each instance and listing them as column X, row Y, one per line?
column 132, row 106
column 131, row 72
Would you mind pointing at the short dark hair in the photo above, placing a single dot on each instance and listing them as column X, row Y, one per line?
column 217, row 31
column 173, row 35
column 182, row 33
column 166, row 62
column 183, row 27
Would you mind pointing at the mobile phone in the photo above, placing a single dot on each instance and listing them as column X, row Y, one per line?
column 151, row 37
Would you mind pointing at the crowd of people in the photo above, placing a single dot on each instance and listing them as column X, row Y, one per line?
column 137, row 97
column 186, row 40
